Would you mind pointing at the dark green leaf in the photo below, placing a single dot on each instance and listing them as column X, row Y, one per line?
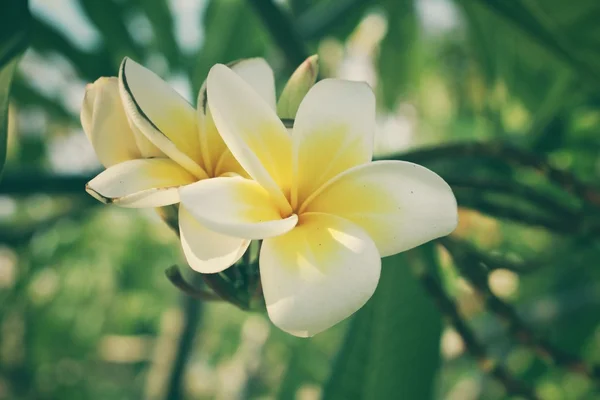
column 396, row 60
column 232, row 31
column 392, row 347
column 14, row 36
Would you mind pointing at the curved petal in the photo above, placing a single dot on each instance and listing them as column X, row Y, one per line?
column 161, row 114
column 400, row 205
column 206, row 251
column 258, row 74
column 140, row 183
column 235, row 206
column 318, row 274
column 333, row 132
column 105, row 123
column 252, row 131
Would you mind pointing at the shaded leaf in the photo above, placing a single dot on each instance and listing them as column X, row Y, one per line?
column 392, row 347
column 14, row 36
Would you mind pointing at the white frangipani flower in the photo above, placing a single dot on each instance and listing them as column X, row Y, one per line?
column 152, row 141
column 327, row 214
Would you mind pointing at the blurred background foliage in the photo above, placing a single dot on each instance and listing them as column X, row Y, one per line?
column 502, row 98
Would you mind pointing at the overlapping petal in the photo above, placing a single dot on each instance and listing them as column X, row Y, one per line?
column 161, row 114
column 237, row 207
column 318, row 274
column 105, row 123
column 252, row 131
column 333, row 132
column 140, row 183
column 257, row 73
column 206, row 251
column 399, row 204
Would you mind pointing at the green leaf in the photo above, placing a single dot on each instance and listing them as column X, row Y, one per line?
column 89, row 64
column 567, row 30
column 392, row 346
column 231, row 31
column 14, row 36
column 396, row 61
column 108, row 17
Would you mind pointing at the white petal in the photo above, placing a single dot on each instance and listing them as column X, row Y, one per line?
column 252, row 131
column 140, row 183
column 207, row 251
column 258, row 74
column 105, row 123
column 235, row 207
column 333, row 132
column 400, row 205
column 318, row 274
column 161, row 114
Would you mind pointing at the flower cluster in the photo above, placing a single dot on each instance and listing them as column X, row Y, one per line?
column 325, row 212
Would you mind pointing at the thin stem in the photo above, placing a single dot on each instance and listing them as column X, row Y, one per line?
column 192, row 311
column 174, row 276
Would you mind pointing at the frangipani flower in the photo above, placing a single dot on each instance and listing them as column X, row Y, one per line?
column 327, row 214
column 152, row 141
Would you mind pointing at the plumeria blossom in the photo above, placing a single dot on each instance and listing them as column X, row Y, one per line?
column 152, row 142
column 327, row 214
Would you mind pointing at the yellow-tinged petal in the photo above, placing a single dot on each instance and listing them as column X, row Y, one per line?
column 333, row 132
column 105, row 123
column 140, row 183
column 252, row 131
column 207, row 251
column 400, row 205
column 297, row 86
column 257, row 73
column 161, row 114
column 235, row 206
column 318, row 274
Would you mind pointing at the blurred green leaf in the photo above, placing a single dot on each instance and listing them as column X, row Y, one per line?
column 232, row 31
column 89, row 65
column 161, row 18
column 108, row 17
column 396, row 61
column 392, row 346
column 14, row 37
column 570, row 33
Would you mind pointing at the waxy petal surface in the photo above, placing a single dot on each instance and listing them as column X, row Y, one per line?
column 399, row 204
column 140, row 183
column 161, row 114
column 105, row 123
column 206, row 251
column 235, row 206
column 333, row 132
column 258, row 74
column 318, row 274
column 252, row 131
